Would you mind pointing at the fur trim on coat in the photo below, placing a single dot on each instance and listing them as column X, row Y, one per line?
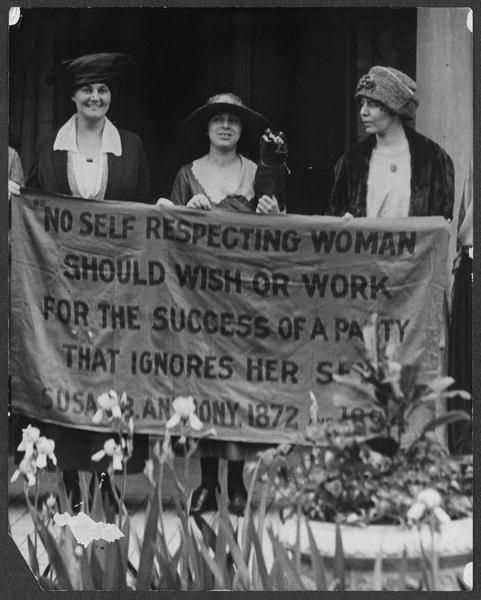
column 432, row 179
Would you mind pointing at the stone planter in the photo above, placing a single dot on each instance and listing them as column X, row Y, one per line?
column 453, row 545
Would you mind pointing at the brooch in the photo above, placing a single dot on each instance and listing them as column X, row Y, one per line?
column 366, row 81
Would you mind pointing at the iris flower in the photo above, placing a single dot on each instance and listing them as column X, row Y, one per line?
column 184, row 410
column 30, row 436
column 109, row 403
column 45, row 448
column 112, row 449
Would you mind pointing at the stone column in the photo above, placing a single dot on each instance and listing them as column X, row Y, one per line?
column 444, row 75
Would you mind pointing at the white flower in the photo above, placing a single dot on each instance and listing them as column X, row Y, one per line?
column 313, row 408
column 27, row 468
column 184, row 410
column 416, row 511
column 30, row 436
column 112, row 449
column 430, row 498
column 45, row 448
column 109, row 402
column 369, row 335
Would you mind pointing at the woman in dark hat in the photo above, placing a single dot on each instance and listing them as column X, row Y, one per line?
column 88, row 156
column 224, row 178
column 395, row 171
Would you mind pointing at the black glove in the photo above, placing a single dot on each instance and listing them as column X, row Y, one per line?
column 270, row 177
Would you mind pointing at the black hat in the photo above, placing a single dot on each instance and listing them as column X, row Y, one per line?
column 193, row 129
column 103, row 67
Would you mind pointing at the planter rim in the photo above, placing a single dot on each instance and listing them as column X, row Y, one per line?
column 389, row 541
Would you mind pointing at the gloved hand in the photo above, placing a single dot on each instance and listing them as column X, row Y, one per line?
column 270, row 179
column 273, row 149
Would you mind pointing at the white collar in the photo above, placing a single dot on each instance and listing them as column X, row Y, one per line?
column 67, row 138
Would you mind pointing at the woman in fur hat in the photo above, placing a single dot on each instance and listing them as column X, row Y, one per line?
column 395, row 171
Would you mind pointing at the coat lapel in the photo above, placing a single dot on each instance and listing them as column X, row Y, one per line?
column 114, row 183
column 59, row 167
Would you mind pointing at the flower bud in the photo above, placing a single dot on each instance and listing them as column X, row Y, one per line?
column 441, row 515
column 416, row 511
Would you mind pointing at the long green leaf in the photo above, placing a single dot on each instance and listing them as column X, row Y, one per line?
column 222, row 556
column 86, row 570
column 115, row 575
column 316, row 560
column 289, row 571
column 242, row 571
column 212, row 565
column 277, row 582
column 263, row 578
column 339, row 562
column 63, row 500
column 97, row 512
column 146, row 560
column 450, row 417
column 84, row 493
column 97, row 562
column 53, row 551
column 208, row 534
column 32, row 557
column 168, row 575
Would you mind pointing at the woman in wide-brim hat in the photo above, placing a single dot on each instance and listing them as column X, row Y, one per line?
column 221, row 175
column 395, row 171
column 88, row 156
column 224, row 178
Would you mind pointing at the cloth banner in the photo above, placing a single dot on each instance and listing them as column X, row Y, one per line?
column 247, row 313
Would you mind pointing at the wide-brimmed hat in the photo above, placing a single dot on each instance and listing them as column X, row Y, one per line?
column 103, row 67
column 391, row 87
column 194, row 129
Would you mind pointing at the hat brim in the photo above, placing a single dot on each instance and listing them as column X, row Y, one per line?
column 193, row 130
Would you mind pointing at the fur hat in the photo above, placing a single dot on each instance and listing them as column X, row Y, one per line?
column 194, row 129
column 392, row 88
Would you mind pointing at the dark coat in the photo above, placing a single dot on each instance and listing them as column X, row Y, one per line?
column 432, row 179
column 129, row 175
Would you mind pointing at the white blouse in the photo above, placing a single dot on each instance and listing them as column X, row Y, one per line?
column 87, row 175
column 389, row 182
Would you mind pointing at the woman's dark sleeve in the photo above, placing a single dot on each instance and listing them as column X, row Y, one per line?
column 443, row 185
column 339, row 193
column 33, row 178
column 181, row 190
column 144, row 192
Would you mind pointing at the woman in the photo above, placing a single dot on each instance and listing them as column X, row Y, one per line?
column 89, row 157
column 395, row 171
column 224, row 178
